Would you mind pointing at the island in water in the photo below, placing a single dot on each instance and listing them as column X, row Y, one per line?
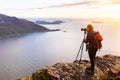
column 47, row 22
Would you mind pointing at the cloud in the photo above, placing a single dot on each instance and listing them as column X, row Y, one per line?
column 66, row 4
column 115, row 1
column 72, row 4
column 87, row 3
column 80, row 2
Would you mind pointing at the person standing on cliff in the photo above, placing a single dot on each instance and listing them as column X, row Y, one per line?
column 91, row 49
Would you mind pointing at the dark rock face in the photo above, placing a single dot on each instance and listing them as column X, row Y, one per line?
column 12, row 25
column 106, row 68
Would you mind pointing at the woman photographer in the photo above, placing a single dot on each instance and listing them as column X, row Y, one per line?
column 89, row 45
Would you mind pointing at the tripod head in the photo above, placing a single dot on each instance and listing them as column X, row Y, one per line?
column 84, row 29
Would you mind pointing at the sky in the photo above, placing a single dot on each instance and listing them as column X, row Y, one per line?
column 61, row 8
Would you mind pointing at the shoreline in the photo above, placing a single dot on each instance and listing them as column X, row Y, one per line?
column 22, row 34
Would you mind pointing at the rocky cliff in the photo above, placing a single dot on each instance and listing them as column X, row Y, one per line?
column 106, row 68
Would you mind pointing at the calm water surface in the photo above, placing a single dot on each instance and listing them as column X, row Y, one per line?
column 23, row 55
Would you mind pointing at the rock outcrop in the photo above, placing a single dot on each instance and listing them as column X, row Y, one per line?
column 106, row 68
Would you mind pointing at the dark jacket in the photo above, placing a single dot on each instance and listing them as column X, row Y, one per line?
column 90, row 39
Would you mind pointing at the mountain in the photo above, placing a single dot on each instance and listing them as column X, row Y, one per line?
column 13, row 25
column 107, row 67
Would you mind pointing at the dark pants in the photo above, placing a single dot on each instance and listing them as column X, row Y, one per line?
column 92, row 54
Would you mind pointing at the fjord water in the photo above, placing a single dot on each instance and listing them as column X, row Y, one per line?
column 20, row 56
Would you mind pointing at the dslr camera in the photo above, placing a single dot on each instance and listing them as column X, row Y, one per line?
column 83, row 29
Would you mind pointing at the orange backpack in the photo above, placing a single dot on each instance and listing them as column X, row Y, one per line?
column 97, row 40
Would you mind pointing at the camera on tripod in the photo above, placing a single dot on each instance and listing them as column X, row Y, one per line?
column 83, row 29
column 82, row 44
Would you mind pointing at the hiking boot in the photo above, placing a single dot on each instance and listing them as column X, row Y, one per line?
column 90, row 72
column 89, row 68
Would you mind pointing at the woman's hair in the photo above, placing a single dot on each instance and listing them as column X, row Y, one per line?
column 90, row 27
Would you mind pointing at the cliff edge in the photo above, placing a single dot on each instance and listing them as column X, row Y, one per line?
column 107, row 67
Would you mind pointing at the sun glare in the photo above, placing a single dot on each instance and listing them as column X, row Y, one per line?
column 104, row 1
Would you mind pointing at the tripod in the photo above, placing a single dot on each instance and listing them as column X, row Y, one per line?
column 81, row 48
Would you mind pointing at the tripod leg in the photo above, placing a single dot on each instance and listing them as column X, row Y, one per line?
column 79, row 49
column 81, row 52
column 82, row 47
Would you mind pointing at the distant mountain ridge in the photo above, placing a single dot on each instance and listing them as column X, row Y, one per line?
column 13, row 25
column 47, row 22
